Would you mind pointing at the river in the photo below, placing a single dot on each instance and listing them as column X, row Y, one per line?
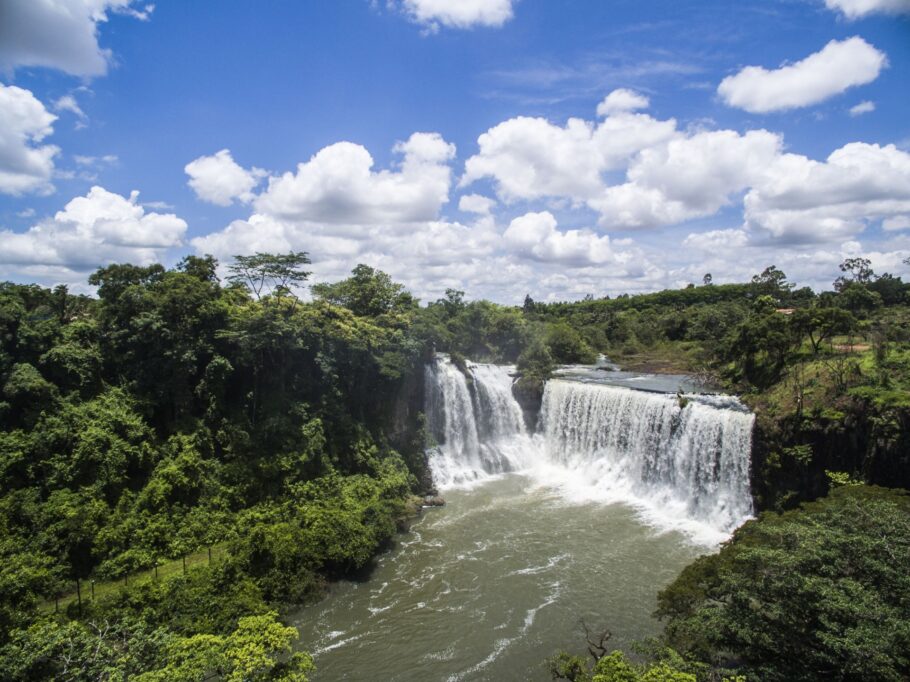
column 493, row 583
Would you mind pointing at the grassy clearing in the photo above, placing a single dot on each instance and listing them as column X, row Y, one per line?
column 111, row 587
column 681, row 357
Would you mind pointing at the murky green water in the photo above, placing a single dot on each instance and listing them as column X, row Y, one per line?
column 490, row 585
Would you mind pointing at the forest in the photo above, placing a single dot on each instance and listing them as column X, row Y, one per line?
column 254, row 443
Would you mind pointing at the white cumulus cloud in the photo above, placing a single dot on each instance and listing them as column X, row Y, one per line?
column 476, row 203
column 59, row 34
column 458, row 13
column 531, row 158
column 338, row 185
column 854, row 9
column 802, row 200
column 218, row 179
column 535, row 235
column 99, row 228
column 686, row 178
column 25, row 164
column 837, row 67
column 622, row 100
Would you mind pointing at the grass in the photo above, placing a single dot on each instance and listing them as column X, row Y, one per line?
column 680, row 357
column 110, row 587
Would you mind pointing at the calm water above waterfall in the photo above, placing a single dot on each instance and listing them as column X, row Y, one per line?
column 588, row 517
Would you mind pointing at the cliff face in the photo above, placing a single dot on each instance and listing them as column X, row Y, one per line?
column 791, row 454
column 406, row 429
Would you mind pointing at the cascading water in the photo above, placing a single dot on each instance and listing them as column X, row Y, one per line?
column 687, row 462
column 477, row 425
column 683, row 464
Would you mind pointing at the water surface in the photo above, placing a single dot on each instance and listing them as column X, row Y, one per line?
column 490, row 585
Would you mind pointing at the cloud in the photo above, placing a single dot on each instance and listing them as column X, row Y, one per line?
column 99, row 228
column 862, row 108
column 530, row 255
column 69, row 103
column 338, row 185
column 837, row 67
column 94, row 161
column 26, row 166
column 800, row 200
column 535, row 235
column 531, row 158
column 900, row 222
column 59, row 34
column 475, row 203
column 622, row 100
column 688, row 177
column 458, row 13
column 219, row 180
column 855, row 9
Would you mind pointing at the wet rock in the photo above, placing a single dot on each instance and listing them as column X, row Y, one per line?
column 433, row 501
column 528, row 393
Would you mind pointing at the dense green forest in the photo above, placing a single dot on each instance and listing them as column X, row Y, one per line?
column 176, row 412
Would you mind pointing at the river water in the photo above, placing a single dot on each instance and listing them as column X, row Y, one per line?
column 624, row 481
column 493, row 583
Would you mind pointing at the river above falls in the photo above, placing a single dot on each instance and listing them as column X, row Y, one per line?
column 493, row 583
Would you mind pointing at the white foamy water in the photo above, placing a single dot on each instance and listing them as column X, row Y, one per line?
column 479, row 426
column 684, row 468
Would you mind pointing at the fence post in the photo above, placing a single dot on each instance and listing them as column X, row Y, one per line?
column 79, row 595
column 210, row 555
column 93, row 589
column 184, row 564
column 156, row 569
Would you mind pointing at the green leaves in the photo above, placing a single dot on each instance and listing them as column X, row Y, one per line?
column 819, row 592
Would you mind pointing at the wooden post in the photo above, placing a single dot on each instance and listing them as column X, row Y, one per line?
column 79, row 595
column 210, row 555
column 156, row 569
column 184, row 564
column 93, row 589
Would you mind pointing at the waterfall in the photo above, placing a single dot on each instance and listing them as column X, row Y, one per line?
column 690, row 461
column 682, row 465
column 476, row 423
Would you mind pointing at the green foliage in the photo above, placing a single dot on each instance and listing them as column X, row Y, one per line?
column 615, row 667
column 266, row 272
column 367, row 293
column 819, row 592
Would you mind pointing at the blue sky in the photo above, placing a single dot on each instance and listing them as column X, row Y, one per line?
column 738, row 134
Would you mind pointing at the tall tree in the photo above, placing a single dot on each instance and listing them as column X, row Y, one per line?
column 264, row 273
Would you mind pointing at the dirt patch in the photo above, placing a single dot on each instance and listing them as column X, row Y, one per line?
column 851, row 347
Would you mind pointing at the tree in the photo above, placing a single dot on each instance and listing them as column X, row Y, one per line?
column 113, row 280
column 815, row 593
column 257, row 651
column 203, row 267
column 367, row 292
column 771, row 282
column 528, row 305
column 264, row 272
column 707, row 280
column 858, row 270
column 820, row 324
